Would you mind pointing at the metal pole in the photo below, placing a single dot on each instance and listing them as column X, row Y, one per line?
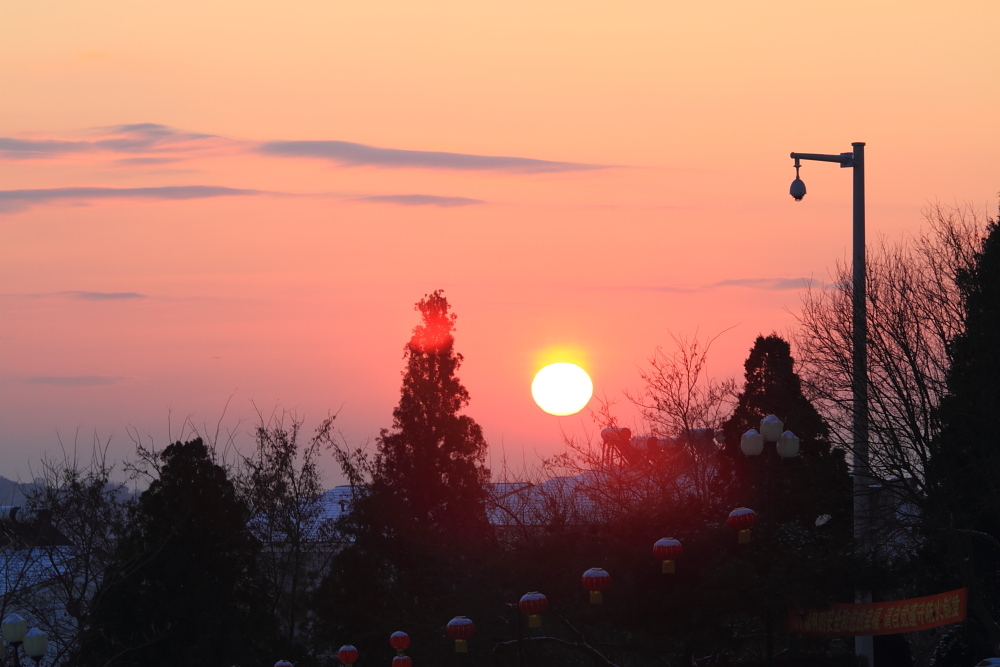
column 520, row 639
column 863, row 646
column 768, row 621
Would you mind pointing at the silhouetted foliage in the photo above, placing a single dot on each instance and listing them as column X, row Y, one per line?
column 813, row 484
column 915, row 310
column 804, row 503
column 963, row 474
column 418, row 524
column 184, row 588
column 281, row 485
column 87, row 507
column 431, row 463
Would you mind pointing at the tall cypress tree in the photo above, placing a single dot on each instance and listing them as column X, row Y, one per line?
column 432, row 460
column 419, row 528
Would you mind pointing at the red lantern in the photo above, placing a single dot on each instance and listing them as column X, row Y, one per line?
column 402, row 661
column 347, row 654
column 667, row 550
column 283, row 663
column 399, row 641
column 596, row 580
column 533, row 604
column 461, row 629
column 742, row 519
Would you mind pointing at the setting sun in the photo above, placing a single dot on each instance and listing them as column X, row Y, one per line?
column 562, row 389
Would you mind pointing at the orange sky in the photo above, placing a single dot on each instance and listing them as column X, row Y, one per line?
column 194, row 207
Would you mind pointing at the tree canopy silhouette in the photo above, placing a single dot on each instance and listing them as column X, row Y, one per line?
column 432, row 461
column 816, row 482
column 184, row 588
column 964, row 467
column 419, row 513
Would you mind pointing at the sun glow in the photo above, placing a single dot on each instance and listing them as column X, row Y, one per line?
column 562, row 389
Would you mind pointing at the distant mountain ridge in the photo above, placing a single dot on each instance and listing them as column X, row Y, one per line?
column 14, row 493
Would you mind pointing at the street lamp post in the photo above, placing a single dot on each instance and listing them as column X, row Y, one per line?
column 786, row 446
column 13, row 629
column 34, row 642
column 859, row 378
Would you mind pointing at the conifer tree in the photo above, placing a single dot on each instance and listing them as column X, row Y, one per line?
column 965, row 464
column 432, row 460
column 963, row 517
column 816, row 482
column 184, row 588
column 418, row 526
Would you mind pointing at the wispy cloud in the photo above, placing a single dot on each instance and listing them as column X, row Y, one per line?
column 354, row 155
column 147, row 137
column 766, row 284
column 772, row 284
column 101, row 296
column 15, row 149
column 146, row 161
column 136, row 138
column 147, row 144
column 75, row 380
column 12, row 201
column 421, row 200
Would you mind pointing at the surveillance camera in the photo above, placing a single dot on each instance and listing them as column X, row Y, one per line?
column 798, row 189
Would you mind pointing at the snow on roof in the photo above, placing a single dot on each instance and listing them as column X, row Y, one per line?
column 336, row 502
column 26, row 568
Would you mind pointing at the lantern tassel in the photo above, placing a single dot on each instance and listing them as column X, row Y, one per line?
column 534, row 621
column 596, row 597
column 668, row 567
column 461, row 646
column 744, row 536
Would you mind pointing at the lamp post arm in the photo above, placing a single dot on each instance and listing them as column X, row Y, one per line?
column 844, row 159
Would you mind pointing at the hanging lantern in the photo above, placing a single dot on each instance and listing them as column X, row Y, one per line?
column 667, row 549
column 596, row 580
column 742, row 519
column 533, row 604
column 461, row 629
column 399, row 641
column 402, row 661
column 283, row 663
column 347, row 654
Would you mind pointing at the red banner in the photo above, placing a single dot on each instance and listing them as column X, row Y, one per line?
column 882, row 618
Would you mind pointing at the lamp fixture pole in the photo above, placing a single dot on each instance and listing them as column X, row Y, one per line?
column 859, row 372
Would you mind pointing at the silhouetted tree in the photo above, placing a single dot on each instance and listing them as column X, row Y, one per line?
column 91, row 510
column 419, row 518
column 964, row 467
column 679, row 399
column 805, row 506
column 432, row 460
column 915, row 310
column 816, row 482
column 184, row 588
column 281, row 485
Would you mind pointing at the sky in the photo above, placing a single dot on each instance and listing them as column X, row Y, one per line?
column 210, row 215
